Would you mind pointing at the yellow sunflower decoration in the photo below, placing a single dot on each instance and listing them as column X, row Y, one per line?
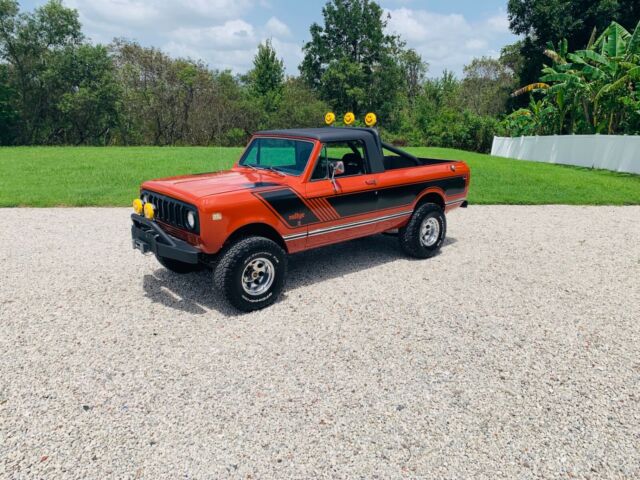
column 149, row 211
column 329, row 118
column 370, row 119
column 349, row 118
column 137, row 206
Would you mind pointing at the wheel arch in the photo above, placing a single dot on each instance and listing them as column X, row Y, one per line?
column 257, row 229
column 431, row 196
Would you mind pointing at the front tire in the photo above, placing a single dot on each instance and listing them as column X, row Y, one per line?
column 251, row 273
column 424, row 234
column 177, row 266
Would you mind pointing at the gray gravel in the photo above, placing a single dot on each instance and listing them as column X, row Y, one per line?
column 515, row 353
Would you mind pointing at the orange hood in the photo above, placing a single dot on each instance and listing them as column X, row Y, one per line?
column 191, row 188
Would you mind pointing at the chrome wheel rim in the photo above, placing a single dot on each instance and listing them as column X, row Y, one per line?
column 429, row 231
column 258, row 276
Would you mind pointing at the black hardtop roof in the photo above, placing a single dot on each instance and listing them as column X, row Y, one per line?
column 327, row 134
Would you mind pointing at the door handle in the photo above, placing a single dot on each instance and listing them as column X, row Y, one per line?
column 371, row 182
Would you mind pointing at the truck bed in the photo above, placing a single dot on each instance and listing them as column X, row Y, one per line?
column 402, row 159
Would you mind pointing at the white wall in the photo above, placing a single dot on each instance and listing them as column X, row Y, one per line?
column 620, row 153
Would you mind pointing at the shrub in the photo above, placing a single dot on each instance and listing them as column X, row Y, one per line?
column 235, row 137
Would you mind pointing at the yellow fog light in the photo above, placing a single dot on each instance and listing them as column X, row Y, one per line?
column 349, row 118
column 137, row 206
column 149, row 211
column 370, row 120
column 329, row 118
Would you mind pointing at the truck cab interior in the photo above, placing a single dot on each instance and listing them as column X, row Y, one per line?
column 351, row 153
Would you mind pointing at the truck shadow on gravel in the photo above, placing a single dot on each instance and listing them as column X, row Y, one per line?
column 194, row 293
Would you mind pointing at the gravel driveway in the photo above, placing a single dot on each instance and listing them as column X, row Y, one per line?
column 515, row 353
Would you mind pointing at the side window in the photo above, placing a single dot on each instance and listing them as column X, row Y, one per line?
column 352, row 154
column 322, row 166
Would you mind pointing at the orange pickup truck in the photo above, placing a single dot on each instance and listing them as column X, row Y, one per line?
column 293, row 190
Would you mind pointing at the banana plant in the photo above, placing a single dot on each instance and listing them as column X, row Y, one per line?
column 595, row 87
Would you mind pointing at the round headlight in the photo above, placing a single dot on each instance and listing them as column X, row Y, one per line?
column 191, row 219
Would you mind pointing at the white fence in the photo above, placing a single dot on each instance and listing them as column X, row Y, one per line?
column 620, row 153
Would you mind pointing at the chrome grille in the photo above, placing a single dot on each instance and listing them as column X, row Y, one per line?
column 172, row 211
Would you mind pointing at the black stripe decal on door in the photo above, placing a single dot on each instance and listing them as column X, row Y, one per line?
column 318, row 209
column 295, row 213
column 289, row 206
column 365, row 202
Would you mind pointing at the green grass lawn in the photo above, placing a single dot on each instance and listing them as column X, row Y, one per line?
column 82, row 176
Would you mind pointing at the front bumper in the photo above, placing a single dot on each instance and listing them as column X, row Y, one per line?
column 148, row 237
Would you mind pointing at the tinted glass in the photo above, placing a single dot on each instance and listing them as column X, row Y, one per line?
column 283, row 155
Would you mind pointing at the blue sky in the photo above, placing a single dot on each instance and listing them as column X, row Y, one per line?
column 225, row 33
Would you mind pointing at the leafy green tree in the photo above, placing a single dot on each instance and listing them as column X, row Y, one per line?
column 544, row 21
column 414, row 70
column 351, row 61
column 594, row 90
column 511, row 58
column 7, row 114
column 299, row 107
column 88, row 110
column 159, row 93
column 539, row 118
column 267, row 77
column 168, row 101
column 28, row 41
column 440, row 116
column 55, row 88
column 486, row 86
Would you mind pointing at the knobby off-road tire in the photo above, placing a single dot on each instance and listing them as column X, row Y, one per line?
column 251, row 273
column 422, row 237
column 178, row 266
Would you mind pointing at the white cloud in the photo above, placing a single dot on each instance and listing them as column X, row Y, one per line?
column 422, row 26
column 448, row 41
column 231, row 35
column 214, row 9
column 499, row 23
column 277, row 28
column 210, row 30
column 233, row 44
column 116, row 11
column 225, row 34
column 476, row 44
column 157, row 15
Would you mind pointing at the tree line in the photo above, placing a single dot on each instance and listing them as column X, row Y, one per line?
column 56, row 88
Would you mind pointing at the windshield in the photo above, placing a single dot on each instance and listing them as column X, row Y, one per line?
column 280, row 154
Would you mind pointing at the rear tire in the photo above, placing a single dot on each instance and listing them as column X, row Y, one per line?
column 424, row 234
column 177, row 266
column 251, row 273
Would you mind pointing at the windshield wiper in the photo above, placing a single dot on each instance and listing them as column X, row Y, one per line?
column 275, row 170
column 271, row 168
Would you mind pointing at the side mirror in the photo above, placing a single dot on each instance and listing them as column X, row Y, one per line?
column 336, row 168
